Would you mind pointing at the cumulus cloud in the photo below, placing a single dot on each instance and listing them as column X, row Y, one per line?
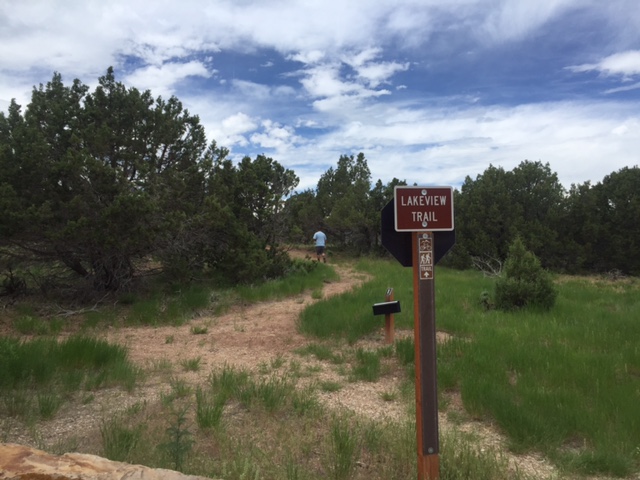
column 308, row 57
column 334, row 88
column 275, row 136
column 162, row 79
column 377, row 73
column 233, row 130
column 238, row 123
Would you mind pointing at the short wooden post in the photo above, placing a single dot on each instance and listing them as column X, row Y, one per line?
column 389, row 333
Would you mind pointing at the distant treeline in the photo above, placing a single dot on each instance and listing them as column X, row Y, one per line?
column 110, row 185
column 587, row 229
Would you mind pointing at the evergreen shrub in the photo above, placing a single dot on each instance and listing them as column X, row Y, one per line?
column 524, row 282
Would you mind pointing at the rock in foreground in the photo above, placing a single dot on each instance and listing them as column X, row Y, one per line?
column 24, row 463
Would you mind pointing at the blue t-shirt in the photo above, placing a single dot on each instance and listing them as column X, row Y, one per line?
column 320, row 238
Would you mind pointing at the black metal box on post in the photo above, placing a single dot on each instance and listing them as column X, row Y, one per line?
column 386, row 308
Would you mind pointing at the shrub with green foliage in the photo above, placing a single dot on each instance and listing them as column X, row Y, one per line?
column 101, row 184
column 524, row 282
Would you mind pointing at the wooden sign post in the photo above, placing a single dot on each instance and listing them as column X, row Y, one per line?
column 421, row 211
column 425, row 357
column 387, row 308
column 389, row 330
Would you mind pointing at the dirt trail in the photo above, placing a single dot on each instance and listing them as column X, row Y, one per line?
column 244, row 337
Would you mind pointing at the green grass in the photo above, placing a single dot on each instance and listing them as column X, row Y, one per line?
column 33, row 325
column 330, row 386
column 178, row 305
column 199, row 330
column 310, row 277
column 350, row 316
column 565, row 383
column 247, row 426
column 162, row 308
column 343, row 449
column 191, row 364
column 321, row 352
column 43, row 362
column 209, row 408
column 119, row 440
column 366, row 366
column 38, row 376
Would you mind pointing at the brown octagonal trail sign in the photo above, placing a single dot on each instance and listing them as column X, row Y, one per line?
column 423, row 208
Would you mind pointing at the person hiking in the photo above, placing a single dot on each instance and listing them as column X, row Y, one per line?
column 321, row 241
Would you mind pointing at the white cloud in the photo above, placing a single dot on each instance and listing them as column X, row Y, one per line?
column 334, row 91
column 626, row 88
column 370, row 71
column 439, row 146
column 625, row 64
column 377, row 73
column 162, row 79
column 238, row 123
column 308, row 58
column 514, row 19
column 258, row 92
column 232, row 130
column 275, row 136
column 326, row 81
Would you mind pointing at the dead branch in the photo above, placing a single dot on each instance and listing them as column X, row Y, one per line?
column 71, row 313
column 488, row 265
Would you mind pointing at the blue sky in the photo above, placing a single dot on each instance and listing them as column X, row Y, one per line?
column 429, row 90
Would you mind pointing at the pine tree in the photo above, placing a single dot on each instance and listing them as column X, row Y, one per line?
column 524, row 282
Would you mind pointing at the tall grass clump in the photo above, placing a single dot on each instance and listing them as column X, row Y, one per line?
column 229, row 380
column 350, row 315
column 43, row 365
column 462, row 459
column 367, row 366
column 342, row 449
column 32, row 325
column 48, row 404
column 167, row 308
column 405, row 351
column 304, row 275
column 209, row 408
column 321, row 352
column 119, row 440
